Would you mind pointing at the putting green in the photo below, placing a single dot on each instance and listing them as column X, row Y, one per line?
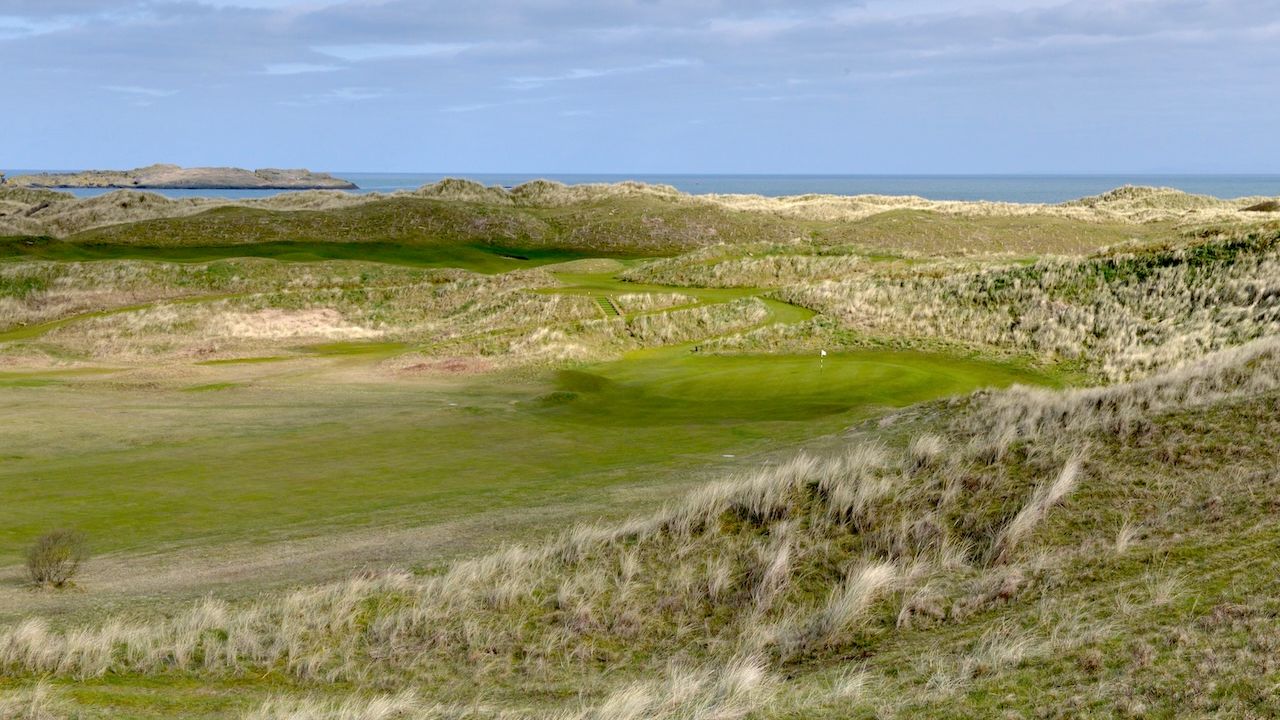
column 660, row 386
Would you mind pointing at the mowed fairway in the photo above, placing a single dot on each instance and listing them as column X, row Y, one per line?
column 477, row 257
column 262, row 452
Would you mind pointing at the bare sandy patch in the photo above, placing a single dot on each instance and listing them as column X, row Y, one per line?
column 275, row 324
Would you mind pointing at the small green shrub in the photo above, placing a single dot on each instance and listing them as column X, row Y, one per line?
column 55, row 558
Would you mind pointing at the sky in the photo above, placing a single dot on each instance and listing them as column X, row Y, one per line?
column 644, row 86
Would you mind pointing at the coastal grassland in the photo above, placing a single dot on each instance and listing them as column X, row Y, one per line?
column 958, row 568
column 625, row 218
column 396, row 228
column 1091, row 534
column 293, row 318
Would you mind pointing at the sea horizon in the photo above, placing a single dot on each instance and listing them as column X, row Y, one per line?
column 996, row 187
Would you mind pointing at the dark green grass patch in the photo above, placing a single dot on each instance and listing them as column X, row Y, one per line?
column 662, row 387
column 477, row 257
column 213, row 387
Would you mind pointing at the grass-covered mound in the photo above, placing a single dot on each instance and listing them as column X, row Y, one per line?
column 626, row 225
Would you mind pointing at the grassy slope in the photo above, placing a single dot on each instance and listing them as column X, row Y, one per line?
column 1159, row 606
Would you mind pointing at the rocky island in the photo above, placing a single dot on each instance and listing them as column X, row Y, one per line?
column 173, row 177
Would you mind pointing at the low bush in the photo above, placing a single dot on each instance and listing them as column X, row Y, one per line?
column 55, row 558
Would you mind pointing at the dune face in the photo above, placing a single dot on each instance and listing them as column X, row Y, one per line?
column 178, row 178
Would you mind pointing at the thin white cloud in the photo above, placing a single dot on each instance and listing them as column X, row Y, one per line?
column 473, row 107
column 757, row 28
column 479, row 106
column 139, row 90
column 16, row 27
column 535, row 81
column 267, row 4
column 338, row 95
column 298, row 68
column 387, row 51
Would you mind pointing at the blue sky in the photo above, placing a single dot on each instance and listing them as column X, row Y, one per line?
column 644, row 86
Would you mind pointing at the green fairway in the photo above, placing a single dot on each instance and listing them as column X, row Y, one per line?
column 236, row 460
column 478, row 257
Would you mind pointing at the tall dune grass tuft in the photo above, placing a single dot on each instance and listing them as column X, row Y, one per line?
column 37, row 702
column 1045, row 497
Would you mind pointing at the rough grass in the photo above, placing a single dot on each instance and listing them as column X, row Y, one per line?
column 1122, row 313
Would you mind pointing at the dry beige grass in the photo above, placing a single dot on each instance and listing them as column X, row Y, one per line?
column 1127, row 204
column 630, row 303
column 747, row 266
column 36, row 291
column 1022, row 413
column 38, row 702
column 259, row 305
column 1122, row 314
column 604, row 337
column 1045, row 497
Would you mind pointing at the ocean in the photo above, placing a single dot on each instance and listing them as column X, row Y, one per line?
column 1007, row 188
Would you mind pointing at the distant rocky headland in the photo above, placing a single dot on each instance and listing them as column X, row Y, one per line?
column 173, row 177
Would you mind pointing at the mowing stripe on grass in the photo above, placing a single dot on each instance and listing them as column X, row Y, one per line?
column 607, row 305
